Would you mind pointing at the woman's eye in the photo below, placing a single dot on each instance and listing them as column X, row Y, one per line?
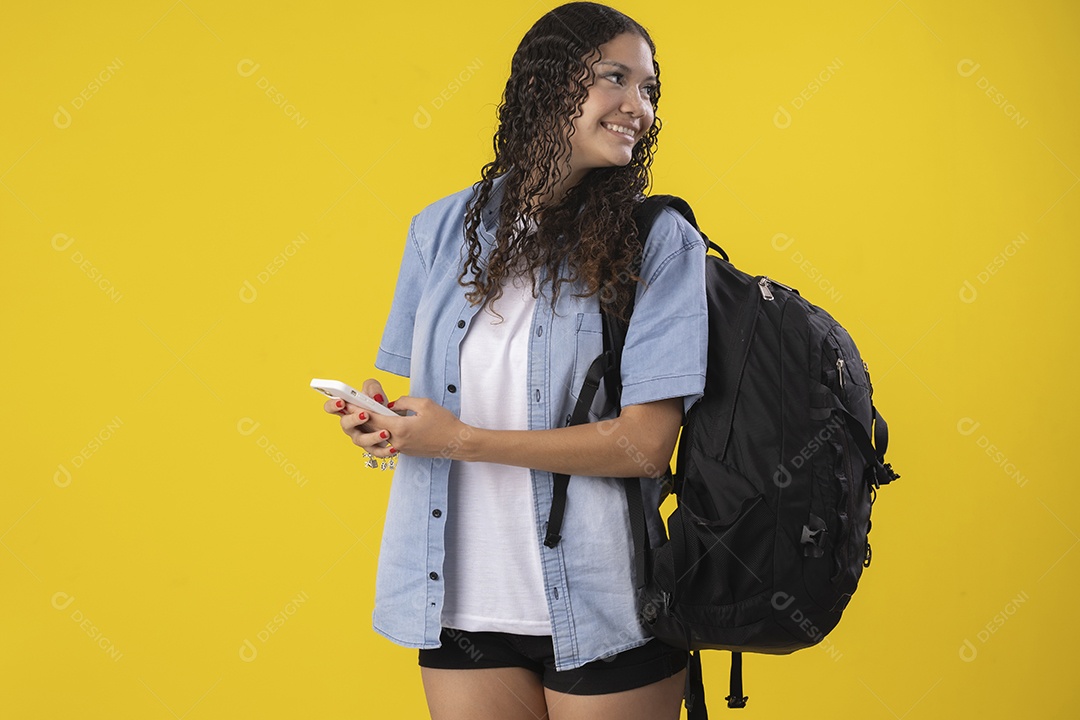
column 650, row 90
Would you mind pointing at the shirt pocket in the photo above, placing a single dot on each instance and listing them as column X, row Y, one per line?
column 588, row 344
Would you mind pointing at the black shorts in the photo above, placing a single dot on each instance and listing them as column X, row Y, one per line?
column 627, row 670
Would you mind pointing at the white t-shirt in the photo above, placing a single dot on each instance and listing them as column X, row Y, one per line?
column 492, row 564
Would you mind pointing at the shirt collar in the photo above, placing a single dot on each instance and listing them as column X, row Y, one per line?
column 490, row 215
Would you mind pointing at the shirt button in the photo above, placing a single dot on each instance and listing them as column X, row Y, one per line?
column 537, row 394
column 539, row 331
column 461, row 323
column 433, row 575
column 451, row 388
column 437, row 512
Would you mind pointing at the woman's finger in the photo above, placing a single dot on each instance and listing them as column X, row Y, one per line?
column 380, row 451
column 354, row 421
column 336, row 406
column 377, row 442
column 373, row 439
column 373, row 388
column 355, row 426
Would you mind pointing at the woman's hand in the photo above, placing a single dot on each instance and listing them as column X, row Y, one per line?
column 431, row 431
column 355, row 421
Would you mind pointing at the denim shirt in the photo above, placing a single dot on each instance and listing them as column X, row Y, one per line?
column 588, row 576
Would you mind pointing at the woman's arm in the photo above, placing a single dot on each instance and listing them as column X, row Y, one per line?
column 638, row 443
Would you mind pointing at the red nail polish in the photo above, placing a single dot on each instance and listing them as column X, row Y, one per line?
column 339, row 403
column 390, row 405
column 383, row 435
column 362, row 415
column 378, row 398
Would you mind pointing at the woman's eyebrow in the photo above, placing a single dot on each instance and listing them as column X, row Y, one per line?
column 622, row 67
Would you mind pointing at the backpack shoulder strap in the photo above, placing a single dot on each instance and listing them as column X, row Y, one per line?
column 652, row 206
column 607, row 367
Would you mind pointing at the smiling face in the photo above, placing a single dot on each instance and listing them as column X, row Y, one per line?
column 618, row 110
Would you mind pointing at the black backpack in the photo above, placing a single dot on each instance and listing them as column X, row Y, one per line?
column 775, row 475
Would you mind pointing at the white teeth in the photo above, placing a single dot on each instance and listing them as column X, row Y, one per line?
column 619, row 129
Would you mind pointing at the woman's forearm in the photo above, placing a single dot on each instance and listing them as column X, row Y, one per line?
column 620, row 447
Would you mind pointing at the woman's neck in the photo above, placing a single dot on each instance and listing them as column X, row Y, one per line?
column 555, row 194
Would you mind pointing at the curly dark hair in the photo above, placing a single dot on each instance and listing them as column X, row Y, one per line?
column 591, row 228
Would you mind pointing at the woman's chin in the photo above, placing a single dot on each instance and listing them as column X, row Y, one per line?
column 619, row 160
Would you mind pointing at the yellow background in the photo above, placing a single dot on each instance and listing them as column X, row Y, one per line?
column 185, row 252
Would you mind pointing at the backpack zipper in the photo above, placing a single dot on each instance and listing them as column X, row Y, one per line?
column 840, row 371
column 850, row 501
column 763, row 285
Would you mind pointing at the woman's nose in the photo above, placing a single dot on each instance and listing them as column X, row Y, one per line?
column 634, row 103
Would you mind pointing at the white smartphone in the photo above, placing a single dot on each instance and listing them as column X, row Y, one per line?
column 340, row 390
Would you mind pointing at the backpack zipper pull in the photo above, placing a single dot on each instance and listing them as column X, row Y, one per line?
column 840, row 370
column 786, row 287
column 763, row 285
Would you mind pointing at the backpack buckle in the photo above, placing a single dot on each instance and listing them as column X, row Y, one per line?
column 736, row 701
column 813, row 538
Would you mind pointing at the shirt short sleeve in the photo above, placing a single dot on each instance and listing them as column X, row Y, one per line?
column 395, row 348
column 666, row 348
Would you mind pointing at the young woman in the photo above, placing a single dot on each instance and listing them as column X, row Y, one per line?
column 495, row 320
